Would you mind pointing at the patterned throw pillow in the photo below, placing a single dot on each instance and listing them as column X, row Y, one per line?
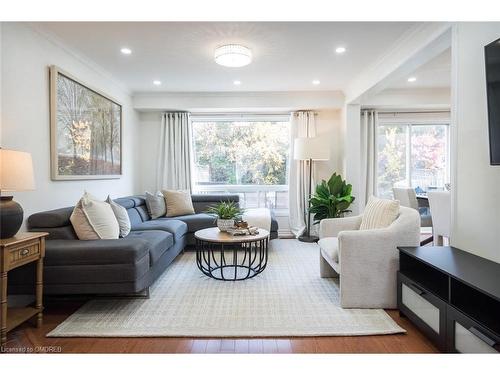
column 379, row 213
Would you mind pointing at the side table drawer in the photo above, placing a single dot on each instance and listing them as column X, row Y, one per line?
column 23, row 254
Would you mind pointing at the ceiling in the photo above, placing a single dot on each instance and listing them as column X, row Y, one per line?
column 287, row 56
column 433, row 74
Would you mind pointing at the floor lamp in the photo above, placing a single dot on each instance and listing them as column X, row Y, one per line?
column 310, row 149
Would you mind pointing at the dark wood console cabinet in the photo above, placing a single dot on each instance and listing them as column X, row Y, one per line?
column 452, row 296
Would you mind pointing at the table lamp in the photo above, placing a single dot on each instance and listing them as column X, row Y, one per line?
column 310, row 149
column 16, row 174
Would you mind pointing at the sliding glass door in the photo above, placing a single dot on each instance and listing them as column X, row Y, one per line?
column 412, row 154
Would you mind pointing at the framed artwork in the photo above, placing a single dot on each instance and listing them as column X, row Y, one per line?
column 86, row 130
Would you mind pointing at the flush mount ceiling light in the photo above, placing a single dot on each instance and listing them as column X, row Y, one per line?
column 237, row 82
column 316, row 82
column 156, row 82
column 340, row 50
column 126, row 51
column 412, row 79
column 233, row 55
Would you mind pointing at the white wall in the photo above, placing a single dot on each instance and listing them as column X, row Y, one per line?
column 149, row 144
column 475, row 184
column 26, row 55
column 417, row 98
column 328, row 124
column 238, row 101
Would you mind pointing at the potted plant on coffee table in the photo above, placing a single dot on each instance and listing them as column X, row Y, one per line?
column 226, row 213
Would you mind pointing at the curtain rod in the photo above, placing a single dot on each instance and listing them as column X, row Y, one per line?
column 240, row 113
column 405, row 112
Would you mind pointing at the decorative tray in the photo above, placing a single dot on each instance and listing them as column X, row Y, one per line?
column 235, row 231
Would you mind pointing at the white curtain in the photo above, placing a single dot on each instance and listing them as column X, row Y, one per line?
column 369, row 121
column 174, row 164
column 302, row 125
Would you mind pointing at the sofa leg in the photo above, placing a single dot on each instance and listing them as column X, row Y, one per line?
column 143, row 294
column 325, row 270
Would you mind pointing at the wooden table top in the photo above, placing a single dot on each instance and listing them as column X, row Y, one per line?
column 215, row 235
column 21, row 237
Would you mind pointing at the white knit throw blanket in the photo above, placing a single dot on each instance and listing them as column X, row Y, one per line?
column 258, row 217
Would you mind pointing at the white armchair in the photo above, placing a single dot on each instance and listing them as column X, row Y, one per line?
column 366, row 260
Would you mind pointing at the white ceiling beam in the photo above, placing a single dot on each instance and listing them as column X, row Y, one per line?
column 238, row 101
column 415, row 48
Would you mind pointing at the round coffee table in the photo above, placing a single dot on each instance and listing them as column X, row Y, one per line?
column 223, row 256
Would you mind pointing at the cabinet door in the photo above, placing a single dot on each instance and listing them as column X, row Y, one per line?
column 424, row 309
column 467, row 336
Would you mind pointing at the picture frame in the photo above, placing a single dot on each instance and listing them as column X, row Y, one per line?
column 86, row 133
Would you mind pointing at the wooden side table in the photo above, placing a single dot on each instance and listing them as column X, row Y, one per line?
column 17, row 251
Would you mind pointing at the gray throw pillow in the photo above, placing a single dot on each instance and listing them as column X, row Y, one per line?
column 156, row 204
column 122, row 217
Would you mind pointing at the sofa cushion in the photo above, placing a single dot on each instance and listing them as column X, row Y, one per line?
column 159, row 241
column 330, row 247
column 195, row 222
column 379, row 213
column 176, row 227
column 95, row 252
column 51, row 219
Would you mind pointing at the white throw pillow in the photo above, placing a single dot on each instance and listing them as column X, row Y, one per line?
column 379, row 213
column 155, row 204
column 178, row 202
column 94, row 220
column 121, row 216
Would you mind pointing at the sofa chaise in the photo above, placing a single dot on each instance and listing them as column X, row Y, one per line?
column 123, row 266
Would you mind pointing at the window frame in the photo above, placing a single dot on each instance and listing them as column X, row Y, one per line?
column 408, row 123
column 237, row 188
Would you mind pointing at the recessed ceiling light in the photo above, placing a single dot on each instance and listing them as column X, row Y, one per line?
column 237, row 83
column 233, row 55
column 316, row 82
column 126, row 51
column 156, row 82
column 340, row 50
column 412, row 79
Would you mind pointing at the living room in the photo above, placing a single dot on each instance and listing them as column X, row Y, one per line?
column 208, row 185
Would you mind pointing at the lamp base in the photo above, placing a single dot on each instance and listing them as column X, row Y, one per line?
column 308, row 239
column 11, row 217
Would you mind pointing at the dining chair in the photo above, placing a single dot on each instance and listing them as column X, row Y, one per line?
column 440, row 205
column 407, row 197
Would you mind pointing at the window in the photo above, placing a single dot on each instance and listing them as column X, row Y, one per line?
column 412, row 154
column 247, row 156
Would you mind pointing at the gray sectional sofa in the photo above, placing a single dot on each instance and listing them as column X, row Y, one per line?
column 122, row 266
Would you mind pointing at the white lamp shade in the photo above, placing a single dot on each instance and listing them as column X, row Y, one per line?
column 311, row 148
column 16, row 171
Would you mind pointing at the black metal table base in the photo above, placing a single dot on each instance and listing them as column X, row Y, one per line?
column 232, row 261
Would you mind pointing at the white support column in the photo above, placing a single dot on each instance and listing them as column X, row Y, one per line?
column 351, row 123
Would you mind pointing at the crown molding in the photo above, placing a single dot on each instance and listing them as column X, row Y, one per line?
column 89, row 63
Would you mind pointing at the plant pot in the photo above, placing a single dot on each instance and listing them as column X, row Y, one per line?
column 225, row 224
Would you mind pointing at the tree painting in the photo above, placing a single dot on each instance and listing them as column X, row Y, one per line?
column 87, row 130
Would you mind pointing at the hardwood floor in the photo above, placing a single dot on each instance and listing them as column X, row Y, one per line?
column 27, row 337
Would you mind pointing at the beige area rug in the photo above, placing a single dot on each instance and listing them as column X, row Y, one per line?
column 288, row 299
